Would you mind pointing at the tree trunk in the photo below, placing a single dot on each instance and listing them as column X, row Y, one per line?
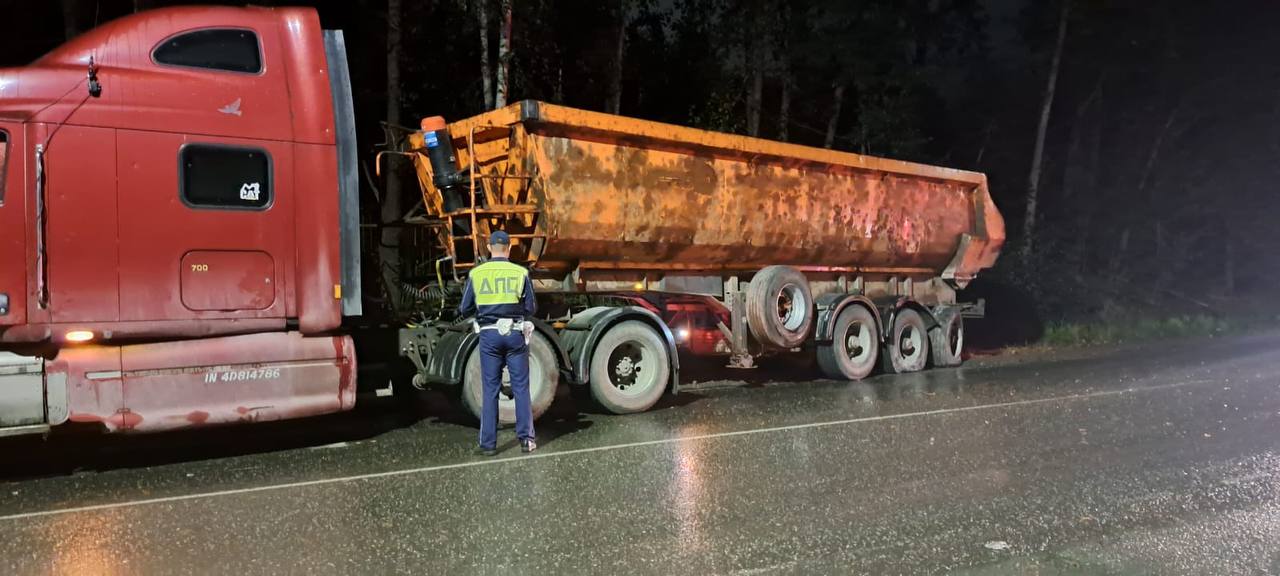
column 504, row 57
column 755, row 59
column 1228, row 262
column 559, row 93
column 1093, row 167
column 389, row 249
column 1119, row 258
column 784, row 70
column 1077, row 168
column 1037, row 157
column 1153, row 156
column 834, row 122
column 784, row 108
column 620, row 49
column 69, row 11
column 486, row 75
column 986, row 141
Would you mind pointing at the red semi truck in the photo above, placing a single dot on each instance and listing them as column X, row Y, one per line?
column 180, row 237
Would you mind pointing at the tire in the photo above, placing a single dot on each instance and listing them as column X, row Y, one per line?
column 779, row 307
column 907, row 348
column 946, row 342
column 630, row 368
column 854, row 347
column 544, row 377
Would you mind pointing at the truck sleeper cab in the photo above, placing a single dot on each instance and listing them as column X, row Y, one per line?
column 170, row 225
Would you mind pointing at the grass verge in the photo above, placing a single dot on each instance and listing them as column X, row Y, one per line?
column 1121, row 329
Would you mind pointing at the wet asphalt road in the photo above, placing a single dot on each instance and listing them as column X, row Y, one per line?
column 1161, row 459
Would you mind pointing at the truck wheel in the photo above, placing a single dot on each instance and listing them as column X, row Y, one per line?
column 854, row 347
column 544, row 376
column 947, row 340
column 908, row 347
column 630, row 368
column 779, row 307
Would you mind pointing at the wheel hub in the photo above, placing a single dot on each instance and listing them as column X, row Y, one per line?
column 954, row 339
column 507, row 394
column 625, row 367
column 627, row 362
column 792, row 307
column 855, row 344
column 909, row 343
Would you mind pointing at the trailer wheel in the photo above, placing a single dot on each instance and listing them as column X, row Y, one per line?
column 854, row 347
column 630, row 368
column 544, row 376
column 947, row 340
column 908, row 347
column 779, row 307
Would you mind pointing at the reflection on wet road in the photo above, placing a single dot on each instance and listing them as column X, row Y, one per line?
column 1159, row 459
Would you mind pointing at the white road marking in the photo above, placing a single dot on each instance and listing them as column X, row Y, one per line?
column 540, row 455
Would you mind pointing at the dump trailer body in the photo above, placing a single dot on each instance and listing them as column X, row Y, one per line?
column 596, row 191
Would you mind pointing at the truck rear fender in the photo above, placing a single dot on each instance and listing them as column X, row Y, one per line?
column 831, row 305
column 584, row 331
column 448, row 362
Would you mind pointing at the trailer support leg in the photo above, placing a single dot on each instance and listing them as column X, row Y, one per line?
column 739, row 356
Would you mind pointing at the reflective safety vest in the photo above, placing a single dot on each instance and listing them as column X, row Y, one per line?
column 498, row 282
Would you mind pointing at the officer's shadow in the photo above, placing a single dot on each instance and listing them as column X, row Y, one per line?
column 561, row 420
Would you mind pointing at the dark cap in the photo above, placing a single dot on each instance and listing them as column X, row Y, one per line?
column 499, row 238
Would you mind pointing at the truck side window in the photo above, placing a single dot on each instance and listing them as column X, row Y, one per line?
column 4, row 161
column 225, row 177
column 233, row 50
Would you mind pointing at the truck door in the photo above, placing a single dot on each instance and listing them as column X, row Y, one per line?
column 81, row 222
column 205, row 210
column 13, row 230
column 204, row 224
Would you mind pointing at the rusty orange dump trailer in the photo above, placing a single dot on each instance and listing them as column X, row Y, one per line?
column 601, row 192
column 844, row 254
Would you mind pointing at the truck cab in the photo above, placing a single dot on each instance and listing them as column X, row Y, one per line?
column 175, row 175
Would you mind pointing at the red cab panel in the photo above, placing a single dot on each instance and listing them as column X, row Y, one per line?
column 228, row 280
column 170, row 385
column 253, row 378
column 13, row 261
column 83, row 223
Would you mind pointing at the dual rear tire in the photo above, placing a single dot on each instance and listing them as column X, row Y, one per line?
column 907, row 347
column 854, row 347
column 630, row 369
column 946, row 342
column 855, row 343
column 544, row 377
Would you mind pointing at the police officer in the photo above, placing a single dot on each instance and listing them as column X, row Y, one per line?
column 500, row 295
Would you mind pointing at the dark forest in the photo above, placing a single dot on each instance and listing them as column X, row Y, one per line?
column 1132, row 146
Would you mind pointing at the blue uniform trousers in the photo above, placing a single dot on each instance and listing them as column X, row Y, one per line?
column 497, row 351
